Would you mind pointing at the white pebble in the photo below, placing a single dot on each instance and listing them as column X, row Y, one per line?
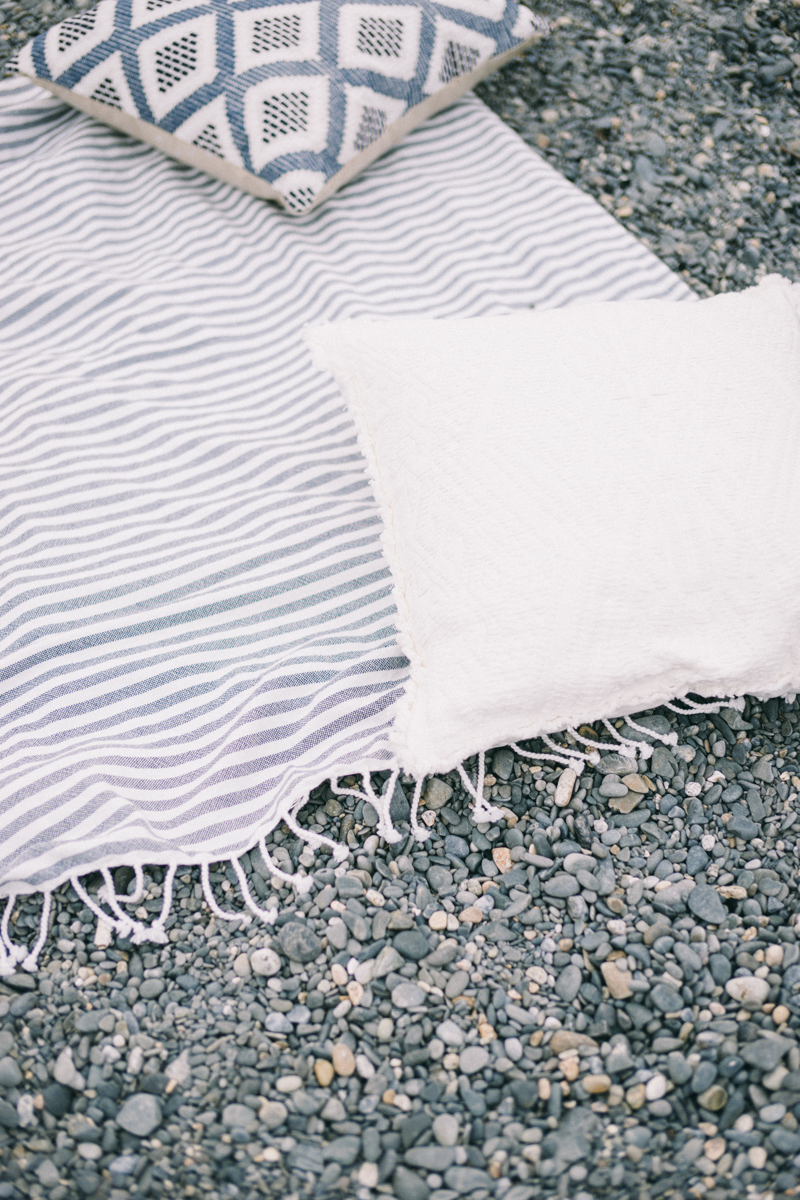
column 655, row 1088
column 364, row 1067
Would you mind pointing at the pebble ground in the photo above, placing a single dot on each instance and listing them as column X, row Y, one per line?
column 597, row 996
column 600, row 999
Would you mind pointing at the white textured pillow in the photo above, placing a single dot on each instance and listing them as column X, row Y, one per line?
column 588, row 511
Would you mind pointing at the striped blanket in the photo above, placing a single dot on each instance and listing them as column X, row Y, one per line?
column 196, row 619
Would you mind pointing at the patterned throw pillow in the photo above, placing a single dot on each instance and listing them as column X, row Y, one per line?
column 287, row 99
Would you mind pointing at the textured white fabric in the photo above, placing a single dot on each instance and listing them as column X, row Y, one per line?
column 587, row 511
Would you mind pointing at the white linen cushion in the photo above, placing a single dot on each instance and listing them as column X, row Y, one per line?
column 587, row 511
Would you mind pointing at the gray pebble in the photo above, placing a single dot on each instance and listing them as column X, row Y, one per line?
column 344, row 1150
column 299, row 942
column 151, row 989
column 456, row 846
column 450, row 1033
column 430, row 1158
column 8, row 1115
column 568, row 983
column 473, row 1059
column 665, row 998
column 467, row 1179
column 140, row 1114
column 561, row 886
column 679, row 1069
column 408, row 995
column 412, row 944
column 10, row 1074
column 445, row 1129
column 705, row 903
column 456, row 984
column 407, row 1185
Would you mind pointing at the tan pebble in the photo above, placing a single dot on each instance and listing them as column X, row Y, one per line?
column 486, row 1031
column 773, row 956
column 653, row 932
column 780, row 1014
column 388, row 1096
column 355, row 991
column 713, row 1098
column 757, row 1157
column 472, row 915
column 625, row 804
column 544, row 1089
column 565, row 1039
column 495, row 1168
column 564, row 787
column 437, row 793
column 714, row 1149
column 635, row 1096
column 570, row 1069
column 323, row 1071
column 536, row 1038
column 616, row 1094
column 450, row 1062
column 438, row 920
column 616, row 904
column 635, row 783
column 501, row 857
column 732, row 892
column 344, row 1062
column 565, row 945
column 616, row 980
column 338, row 975
column 595, row 1084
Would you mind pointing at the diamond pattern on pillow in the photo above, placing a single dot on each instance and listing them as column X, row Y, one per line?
column 287, row 99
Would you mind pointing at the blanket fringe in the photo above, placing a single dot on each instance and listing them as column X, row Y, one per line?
column 115, row 919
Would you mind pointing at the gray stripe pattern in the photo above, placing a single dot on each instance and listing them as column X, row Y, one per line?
column 196, row 621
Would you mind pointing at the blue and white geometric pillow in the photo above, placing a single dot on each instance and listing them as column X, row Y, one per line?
column 287, row 99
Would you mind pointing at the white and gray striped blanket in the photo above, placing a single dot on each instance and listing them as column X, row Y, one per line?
column 196, row 621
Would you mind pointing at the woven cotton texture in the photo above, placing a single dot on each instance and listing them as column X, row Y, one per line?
column 285, row 99
column 196, row 619
column 586, row 512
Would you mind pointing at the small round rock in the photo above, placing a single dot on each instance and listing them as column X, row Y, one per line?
column 473, row 1059
column 408, row 995
column 748, row 990
column 299, row 942
column 595, row 1085
column 344, row 1062
column 140, row 1114
column 324, row 1072
column 445, row 1129
column 265, row 962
